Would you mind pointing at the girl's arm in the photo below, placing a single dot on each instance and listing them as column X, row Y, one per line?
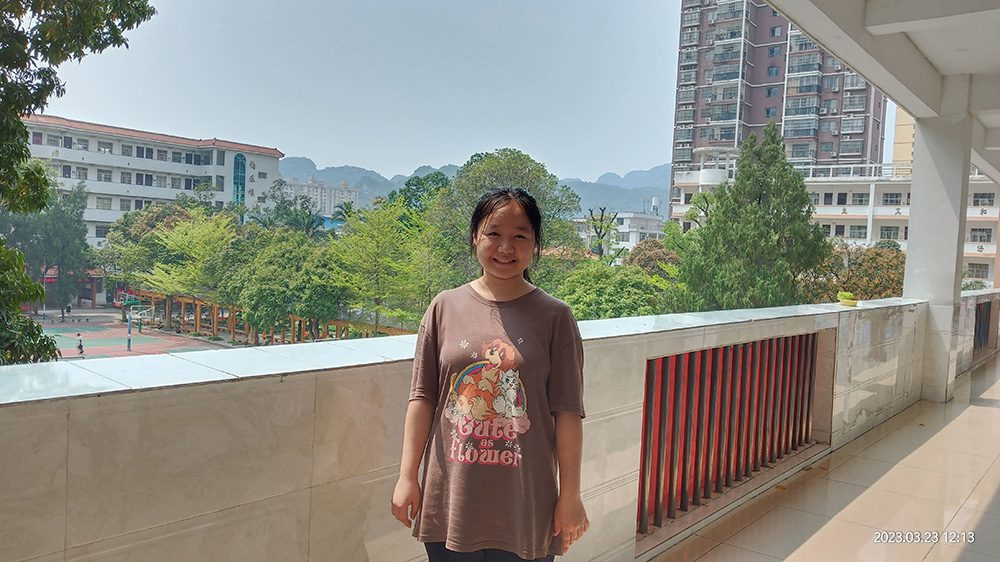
column 406, row 497
column 570, row 517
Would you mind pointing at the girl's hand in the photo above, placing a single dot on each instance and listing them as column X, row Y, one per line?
column 570, row 519
column 406, row 500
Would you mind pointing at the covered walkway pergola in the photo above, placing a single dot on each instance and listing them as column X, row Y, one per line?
column 940, row 61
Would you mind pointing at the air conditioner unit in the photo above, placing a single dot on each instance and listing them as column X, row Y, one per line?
column 833, row 111
column 835, row 89
column 834, row 133
column 710, row 41
column 822, row 111
column 833, row 154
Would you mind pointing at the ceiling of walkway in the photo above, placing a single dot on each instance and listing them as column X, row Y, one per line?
column 915, row 50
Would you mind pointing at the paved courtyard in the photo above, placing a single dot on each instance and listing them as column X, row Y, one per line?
column 104, row 335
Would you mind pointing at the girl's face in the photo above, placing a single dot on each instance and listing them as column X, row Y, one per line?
column 505, row 242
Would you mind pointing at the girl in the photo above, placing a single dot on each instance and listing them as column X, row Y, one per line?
column 496, row 405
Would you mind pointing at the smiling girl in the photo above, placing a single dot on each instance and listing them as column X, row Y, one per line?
column 496, row 406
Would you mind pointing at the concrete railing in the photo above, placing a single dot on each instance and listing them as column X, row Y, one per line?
column 291, row 452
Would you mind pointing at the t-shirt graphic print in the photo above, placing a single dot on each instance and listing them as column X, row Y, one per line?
column 488, row 406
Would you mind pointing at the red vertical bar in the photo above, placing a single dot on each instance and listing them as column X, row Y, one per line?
column 656, row 469
column 754, row 392
column 783, row 412
column 727, row 441
column 694, row 374
column 775, row 399
column 798, row 386
column 737, row 410
column 666, row 495
column 711, row 413
column 681, row 430
column 790, row 390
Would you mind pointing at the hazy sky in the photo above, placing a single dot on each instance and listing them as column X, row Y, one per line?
column 584, row 86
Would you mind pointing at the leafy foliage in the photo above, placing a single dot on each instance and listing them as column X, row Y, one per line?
column 53, row 241
column 651, row 256
column 869, row 272
column 598, row 290
column 35, row 38
column 757, row 238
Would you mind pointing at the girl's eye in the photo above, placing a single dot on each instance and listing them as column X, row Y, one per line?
column 521, row 236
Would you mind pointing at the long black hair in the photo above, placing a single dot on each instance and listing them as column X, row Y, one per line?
column 492, row 200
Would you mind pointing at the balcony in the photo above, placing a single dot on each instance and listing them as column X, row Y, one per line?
column 290, row 452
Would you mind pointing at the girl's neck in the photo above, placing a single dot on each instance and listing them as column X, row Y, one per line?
column 501, row 289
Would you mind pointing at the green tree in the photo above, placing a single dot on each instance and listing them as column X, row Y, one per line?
column 598, row 290
column 375, row 253
column 870, row 272
column 651, row 256
column 35, row 38
column 53, row 241
column 451, row 210
column 757, row 238
column 294, row 212
column 193, row 245
column 418, row 191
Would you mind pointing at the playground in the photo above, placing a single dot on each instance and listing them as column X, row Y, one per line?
column 104, row 335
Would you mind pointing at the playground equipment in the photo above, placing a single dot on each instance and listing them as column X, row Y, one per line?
column 125, row 299
column 138, row 312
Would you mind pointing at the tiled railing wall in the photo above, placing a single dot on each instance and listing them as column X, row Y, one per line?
column 291, row 452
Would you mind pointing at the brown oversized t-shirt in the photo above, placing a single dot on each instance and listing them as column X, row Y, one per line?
column 497, row 372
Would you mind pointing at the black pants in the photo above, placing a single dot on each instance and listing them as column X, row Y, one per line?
column 436, row 552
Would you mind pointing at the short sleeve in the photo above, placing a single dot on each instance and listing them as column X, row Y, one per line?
column 424, row 384
column 565, row 385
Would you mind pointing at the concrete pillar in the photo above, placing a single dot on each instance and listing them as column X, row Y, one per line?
column 940, row 187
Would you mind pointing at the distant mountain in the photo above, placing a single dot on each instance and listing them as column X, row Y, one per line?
column 658, row 176
column 449, row 170
column 615, row 198
column 369, row 183
column 634, row 192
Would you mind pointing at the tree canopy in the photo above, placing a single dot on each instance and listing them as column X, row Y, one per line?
column 35, row 38
column 757, row 237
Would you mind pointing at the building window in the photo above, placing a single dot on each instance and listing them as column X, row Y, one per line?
column 105, row 147
column 103, row 175
column 176, row 157
column 776, row 31
column 188, row 184
column 983, row 199
column 82, row 144
column 126, row 150
column 828, row 199
column 803, row 150
column 149, row 152
column 103, row 203
column 126, row 177
column 814, row 199
column 144, row 179
column 771, row 92
column 36, row 137
column 53, row 140
column 826, row 147
column 859, row 231
column 175, row 183
column 859, row 199
column 624, row 236
column 892, row 198
column 262, row 175
column 981, row 235
column 101, row 231
column 161, row 154
column 851, row 147
column 841, row 198
column 888, row 233
column 832, row 83
column 125, row 204
column 772, row 71
column 826, row 230
column 220, row 157
column 838, row 231
column 978, row 271
column 81, row 173
column 770, row 112
column 852, row 125
column 161, row 181
column 774, row 51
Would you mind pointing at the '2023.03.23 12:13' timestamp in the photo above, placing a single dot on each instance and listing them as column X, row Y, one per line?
column 949, row 537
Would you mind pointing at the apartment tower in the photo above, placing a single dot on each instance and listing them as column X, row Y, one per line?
column 742, row 65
